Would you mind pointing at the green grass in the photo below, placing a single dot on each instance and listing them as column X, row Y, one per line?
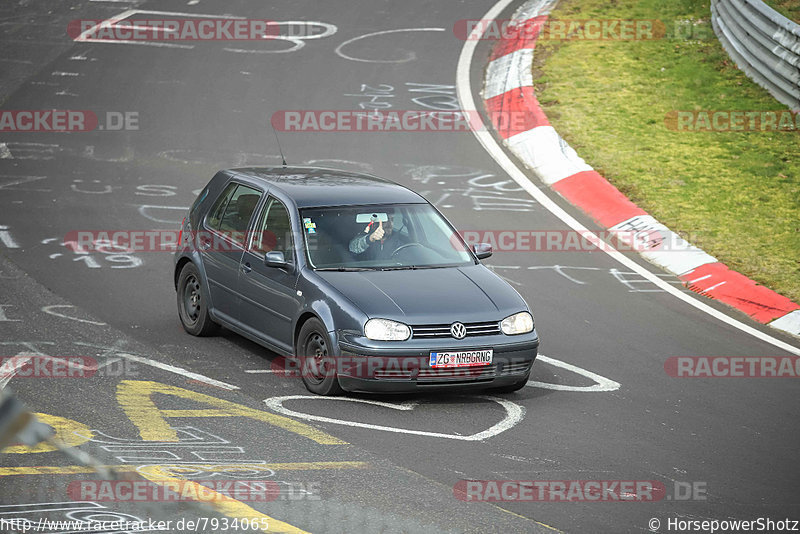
column 736, row 195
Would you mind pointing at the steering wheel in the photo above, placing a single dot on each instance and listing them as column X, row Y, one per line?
column 407, row 245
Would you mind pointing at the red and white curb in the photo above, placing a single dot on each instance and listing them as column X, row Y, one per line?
column 508, row 92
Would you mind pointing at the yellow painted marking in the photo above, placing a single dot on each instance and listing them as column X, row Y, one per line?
column 128, row 468
column 222, row 503
column 136, row 399
column 66, row 431
column 46, row 470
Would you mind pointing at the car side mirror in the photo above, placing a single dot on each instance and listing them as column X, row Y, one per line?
column 482, row 250
column 275, row 258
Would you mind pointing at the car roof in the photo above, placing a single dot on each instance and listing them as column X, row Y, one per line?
column 317, row 186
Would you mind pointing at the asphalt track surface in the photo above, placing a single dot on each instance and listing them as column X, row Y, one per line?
column 204, row 108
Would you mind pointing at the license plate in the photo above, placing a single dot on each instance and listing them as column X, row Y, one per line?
column 461, row 358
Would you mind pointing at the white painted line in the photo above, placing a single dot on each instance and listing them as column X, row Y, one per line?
column 61, row 73
column 410, row 57
column 698, row 279
column 110, row 21
column 143, row 212
column 484, row 136
column 49, row 310
column 12, row 365
column 177, row 371
column 258, row 371
column 3, row 318
column 48, row 507
column 183, row 14
column 714, row 286
column 6, row 239
column 602, row 383
column 19, row 180
column 330, row 29
column 514, row 414
column 145, row 43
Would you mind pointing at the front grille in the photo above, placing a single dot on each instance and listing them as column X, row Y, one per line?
column 440, row 331
column 459, row 373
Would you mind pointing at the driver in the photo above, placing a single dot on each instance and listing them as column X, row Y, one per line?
column 378, row 242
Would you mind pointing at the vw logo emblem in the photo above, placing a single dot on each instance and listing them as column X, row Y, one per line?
column 458, row 330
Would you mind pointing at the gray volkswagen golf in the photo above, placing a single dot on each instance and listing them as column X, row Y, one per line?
column 360, row 283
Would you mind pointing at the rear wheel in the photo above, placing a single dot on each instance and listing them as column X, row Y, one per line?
column 193, row 303
column 317, row 362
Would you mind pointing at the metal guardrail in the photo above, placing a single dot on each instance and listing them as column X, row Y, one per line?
column 763, row 43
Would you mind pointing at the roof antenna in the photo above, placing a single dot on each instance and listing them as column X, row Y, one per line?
column 279, row 145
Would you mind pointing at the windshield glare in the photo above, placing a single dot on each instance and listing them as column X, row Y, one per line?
column 399, row 236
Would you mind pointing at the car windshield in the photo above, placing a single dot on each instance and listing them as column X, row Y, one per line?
column 402, row 236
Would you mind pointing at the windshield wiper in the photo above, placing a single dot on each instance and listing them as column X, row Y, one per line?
column 401, row 268
column 345, row 269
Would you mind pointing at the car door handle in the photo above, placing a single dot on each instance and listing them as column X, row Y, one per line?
column 205, row 245
column 246, row 268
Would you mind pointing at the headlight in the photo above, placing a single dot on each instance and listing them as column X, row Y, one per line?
column 386, row 330
column 519, row 323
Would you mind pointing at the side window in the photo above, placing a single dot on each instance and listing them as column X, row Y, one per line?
column 219, row 207
column 232, row 211
column 273, row 230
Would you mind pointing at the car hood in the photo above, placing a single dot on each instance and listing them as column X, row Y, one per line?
column 429, row 296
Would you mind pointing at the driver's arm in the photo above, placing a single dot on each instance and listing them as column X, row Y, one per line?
column 361, row 242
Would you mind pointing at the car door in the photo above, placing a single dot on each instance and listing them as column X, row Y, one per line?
column 222, row 244
column 269, row 294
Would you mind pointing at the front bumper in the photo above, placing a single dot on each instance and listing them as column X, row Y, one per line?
column 403, row 367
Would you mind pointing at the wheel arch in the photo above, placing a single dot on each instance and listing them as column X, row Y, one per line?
column 178, row 268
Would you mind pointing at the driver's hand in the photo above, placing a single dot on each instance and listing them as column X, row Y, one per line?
column 377, row 234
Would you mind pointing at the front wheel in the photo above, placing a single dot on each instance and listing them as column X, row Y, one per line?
column 193, row 303
column 317, row 362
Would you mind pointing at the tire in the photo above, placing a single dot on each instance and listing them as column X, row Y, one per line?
column 317, row 363
column 516, row 386
column 193, row 303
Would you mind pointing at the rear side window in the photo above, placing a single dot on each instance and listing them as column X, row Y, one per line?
column 233, row 210
column 215, row 215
